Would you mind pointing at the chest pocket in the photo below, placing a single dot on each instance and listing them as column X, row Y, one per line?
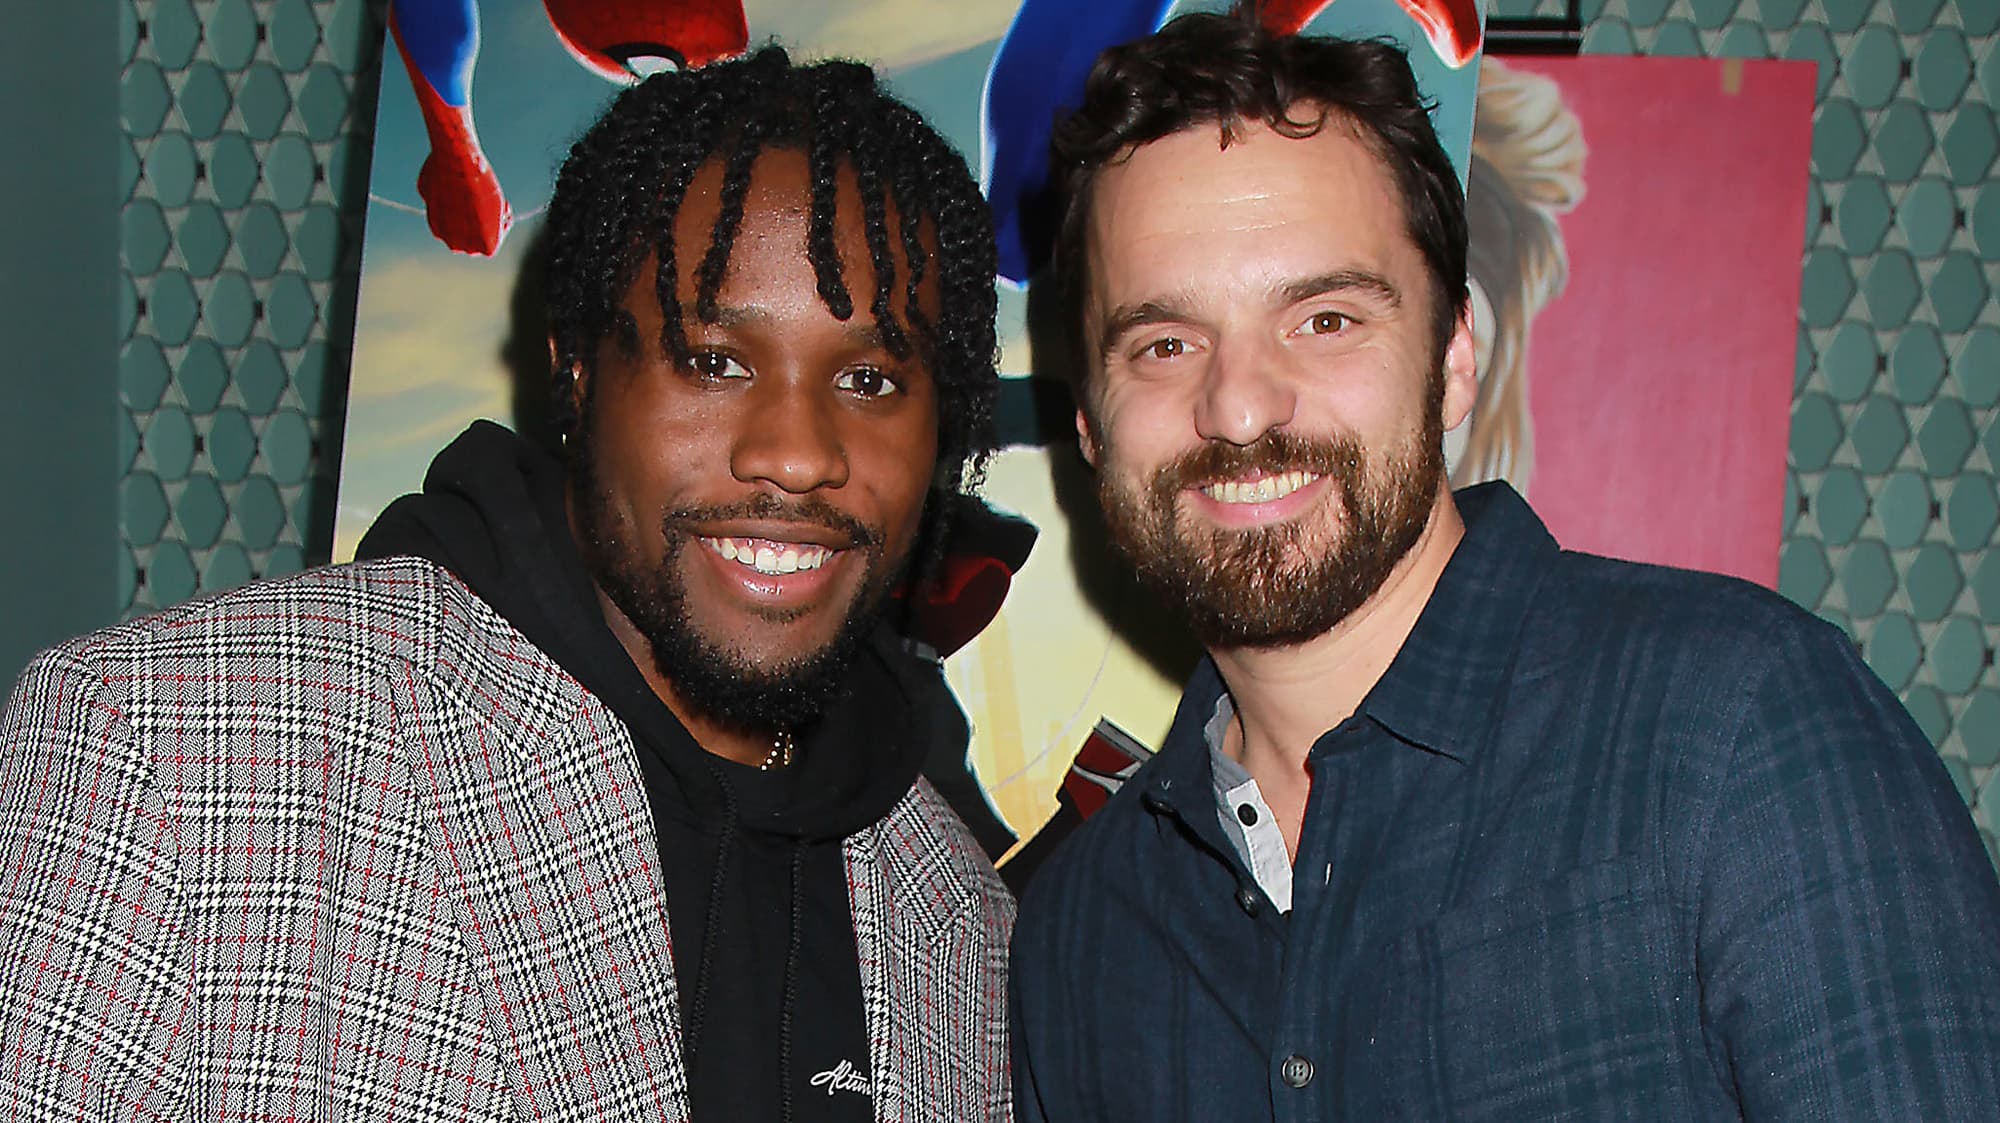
column 1548, row 1002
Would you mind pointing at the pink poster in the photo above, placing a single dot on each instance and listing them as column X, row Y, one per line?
column 1637, row 232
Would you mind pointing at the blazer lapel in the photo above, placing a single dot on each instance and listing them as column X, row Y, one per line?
column 540, row 826
column 905, row 897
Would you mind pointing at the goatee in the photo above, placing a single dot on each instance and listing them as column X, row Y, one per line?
column 719, row 684
column 1287, row 582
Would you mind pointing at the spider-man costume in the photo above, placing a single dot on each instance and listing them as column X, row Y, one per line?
column 1040, row 68
column 439, row 39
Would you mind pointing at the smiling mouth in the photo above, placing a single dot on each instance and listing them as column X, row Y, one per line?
column 1265, row 489
column 768, row 557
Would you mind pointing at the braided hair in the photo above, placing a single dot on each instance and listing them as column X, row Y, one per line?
column 623, row 182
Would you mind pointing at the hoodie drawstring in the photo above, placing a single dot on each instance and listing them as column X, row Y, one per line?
column 791, row 991
column 697, row 1005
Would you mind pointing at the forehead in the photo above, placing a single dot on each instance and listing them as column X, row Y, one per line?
column 776, row 215
column 772, row 243
column 1187, row 210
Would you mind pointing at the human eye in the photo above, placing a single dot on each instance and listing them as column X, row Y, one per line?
column 866, row 382
column 1163, row 348
column 714, row 366
column 1325, row 323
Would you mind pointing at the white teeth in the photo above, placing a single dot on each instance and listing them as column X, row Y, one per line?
column 1263, row 490
column 769, row 559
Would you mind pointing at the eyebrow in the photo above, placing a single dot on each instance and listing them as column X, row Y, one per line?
column 1362, row 281
column 1176, row 309
column 1125, row 317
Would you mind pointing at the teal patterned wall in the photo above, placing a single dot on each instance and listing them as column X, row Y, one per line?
column 246, row 166
column 246, row 163
column 1892, row 501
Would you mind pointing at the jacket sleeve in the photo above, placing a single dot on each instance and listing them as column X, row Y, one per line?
column 95, row 965
column 1849, row 939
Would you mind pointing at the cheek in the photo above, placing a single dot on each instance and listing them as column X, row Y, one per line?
column 639, row 477
column 1141, row 426
column 1378, row 390
column 666, row 439
column 899, row 460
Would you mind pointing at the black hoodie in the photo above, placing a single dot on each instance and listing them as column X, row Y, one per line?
column 756, row 887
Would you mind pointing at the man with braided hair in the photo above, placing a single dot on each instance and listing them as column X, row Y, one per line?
column 593, row 790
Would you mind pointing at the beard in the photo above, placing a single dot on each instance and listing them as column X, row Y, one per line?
column 717, row 683
column 1285, row 583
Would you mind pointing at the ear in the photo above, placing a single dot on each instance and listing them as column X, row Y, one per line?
column 1086, row 441
column 1461, row 373
column 577, row 378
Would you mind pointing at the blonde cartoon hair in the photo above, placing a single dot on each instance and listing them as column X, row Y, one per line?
column 1526, row 169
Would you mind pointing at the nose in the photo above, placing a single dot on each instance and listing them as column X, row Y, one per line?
column 789, row 438
column 1243, row 395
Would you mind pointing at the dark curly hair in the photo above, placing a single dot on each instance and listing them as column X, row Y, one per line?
column 1205, row 68
column 619, row 190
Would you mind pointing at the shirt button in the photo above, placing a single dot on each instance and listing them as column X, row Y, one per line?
column 1246, row 899
column 1247, row 815
column 1295, row 1071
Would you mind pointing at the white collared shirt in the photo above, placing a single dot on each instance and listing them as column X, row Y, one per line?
column 1246, row 818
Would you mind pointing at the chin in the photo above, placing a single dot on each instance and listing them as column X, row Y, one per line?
column 770, row 646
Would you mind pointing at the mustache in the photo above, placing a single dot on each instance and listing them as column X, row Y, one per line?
column 810, row 511
column 1274, row 452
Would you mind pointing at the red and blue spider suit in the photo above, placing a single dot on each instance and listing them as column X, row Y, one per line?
column 439, row 39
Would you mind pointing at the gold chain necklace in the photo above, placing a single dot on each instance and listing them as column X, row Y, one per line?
column 780, row 755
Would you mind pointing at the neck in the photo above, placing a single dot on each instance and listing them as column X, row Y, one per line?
column 1285, row 697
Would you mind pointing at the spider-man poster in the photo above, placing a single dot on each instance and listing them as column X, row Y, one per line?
column 480, row 100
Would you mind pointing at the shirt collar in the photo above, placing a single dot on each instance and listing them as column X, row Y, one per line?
column 1442, row 687
column 1182, row 775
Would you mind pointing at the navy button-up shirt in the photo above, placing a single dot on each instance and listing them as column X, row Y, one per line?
column 1606, row 841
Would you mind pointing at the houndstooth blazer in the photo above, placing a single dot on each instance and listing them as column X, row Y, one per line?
column 347, row 847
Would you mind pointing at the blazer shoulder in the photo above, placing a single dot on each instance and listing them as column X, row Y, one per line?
column 345, row 628
column 926, row 846
column 365, row 610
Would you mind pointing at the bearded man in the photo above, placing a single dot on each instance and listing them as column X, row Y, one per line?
column 594, row 793
column 1451, row 823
